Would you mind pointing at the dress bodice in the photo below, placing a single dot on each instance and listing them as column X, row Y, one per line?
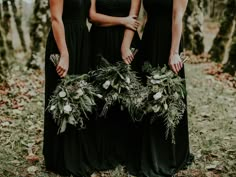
column 156, row 8
column 118, row 8
column 76, row 10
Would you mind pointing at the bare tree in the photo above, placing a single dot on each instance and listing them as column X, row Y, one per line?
column 39, row 27
column 230, row 65
column 193, row 31
column 18, row 20
column 219, row 48
column 3, row 51
column 6, row 24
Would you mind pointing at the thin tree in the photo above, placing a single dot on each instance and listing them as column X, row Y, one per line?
column 3, row 52
column 18, row 21
column 230, row 66
column 193, row 31
column 39, row 29
column 219, row 47
column 6, row 24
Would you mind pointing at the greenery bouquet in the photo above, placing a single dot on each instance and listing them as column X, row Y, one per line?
column 166, row 97
column 73, row 100
column 119, row 84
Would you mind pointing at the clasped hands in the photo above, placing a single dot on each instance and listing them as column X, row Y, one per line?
column 131, row 23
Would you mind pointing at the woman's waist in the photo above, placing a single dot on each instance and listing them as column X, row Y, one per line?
column 160, row 16
column 107, row 29
column 78, row 21
column 159, row 22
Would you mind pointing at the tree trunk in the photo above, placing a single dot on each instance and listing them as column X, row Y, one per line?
column 39, row 29
column 230, row 66
column 6, row 25
column 220, row 42
column 212, row 14
column 193, row 31
column 18, row 22
column 188, row 30
column 198, row 45
column 3, row 59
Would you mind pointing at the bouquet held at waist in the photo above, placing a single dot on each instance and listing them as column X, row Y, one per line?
column 79, row 98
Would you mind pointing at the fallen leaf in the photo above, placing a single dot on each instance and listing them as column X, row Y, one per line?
column 32, row 169
column 32, row 158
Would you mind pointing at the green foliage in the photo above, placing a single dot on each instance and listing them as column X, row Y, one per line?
column 73, row 100
column 166, row 97
column 119, row 84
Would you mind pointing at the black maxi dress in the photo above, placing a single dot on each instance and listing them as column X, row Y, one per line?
column 159, row 157
column 64, row 152
column 116, row 138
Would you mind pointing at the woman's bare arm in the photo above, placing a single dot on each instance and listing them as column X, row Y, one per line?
column 106, row 20
column 56, row 9
column 126, row 53
column 179, row 7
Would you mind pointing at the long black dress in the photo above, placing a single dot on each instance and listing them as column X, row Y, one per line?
column 159, row 156
column 61, row 150
column 116, row 138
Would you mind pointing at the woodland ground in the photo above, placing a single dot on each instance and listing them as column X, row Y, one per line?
column 212, row 125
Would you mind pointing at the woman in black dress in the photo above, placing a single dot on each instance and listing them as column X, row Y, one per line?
column 69, row 38
column 113, row 34
column 161, row 46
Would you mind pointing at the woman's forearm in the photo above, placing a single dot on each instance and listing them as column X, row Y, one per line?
column 176, row 33
column 102, row 19
column 56, row 9
column 59, row 35
column 129, row 34
column 105, row 20
column 179, row 7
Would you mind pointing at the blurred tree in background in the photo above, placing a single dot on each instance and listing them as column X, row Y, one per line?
column 225, row 34
column 39, row 27
column 3, row 50
column 17, row 12
column 193, row 29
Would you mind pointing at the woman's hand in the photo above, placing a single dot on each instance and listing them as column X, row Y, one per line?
column 63, row 65
column 175, row 63
column 127, row 55
column 131, row 22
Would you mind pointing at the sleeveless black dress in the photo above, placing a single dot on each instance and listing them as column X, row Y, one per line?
column 116, row 138
column 159, row 156
column 60, row 151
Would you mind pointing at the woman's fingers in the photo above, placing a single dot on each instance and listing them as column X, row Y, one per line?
column 126, row 61
column 172, row 66
column 180, row 66
column 134, row 16
column 64, row 74
column 133, row 28
column 61, row 71
column 177, row 67
column 137, row 23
